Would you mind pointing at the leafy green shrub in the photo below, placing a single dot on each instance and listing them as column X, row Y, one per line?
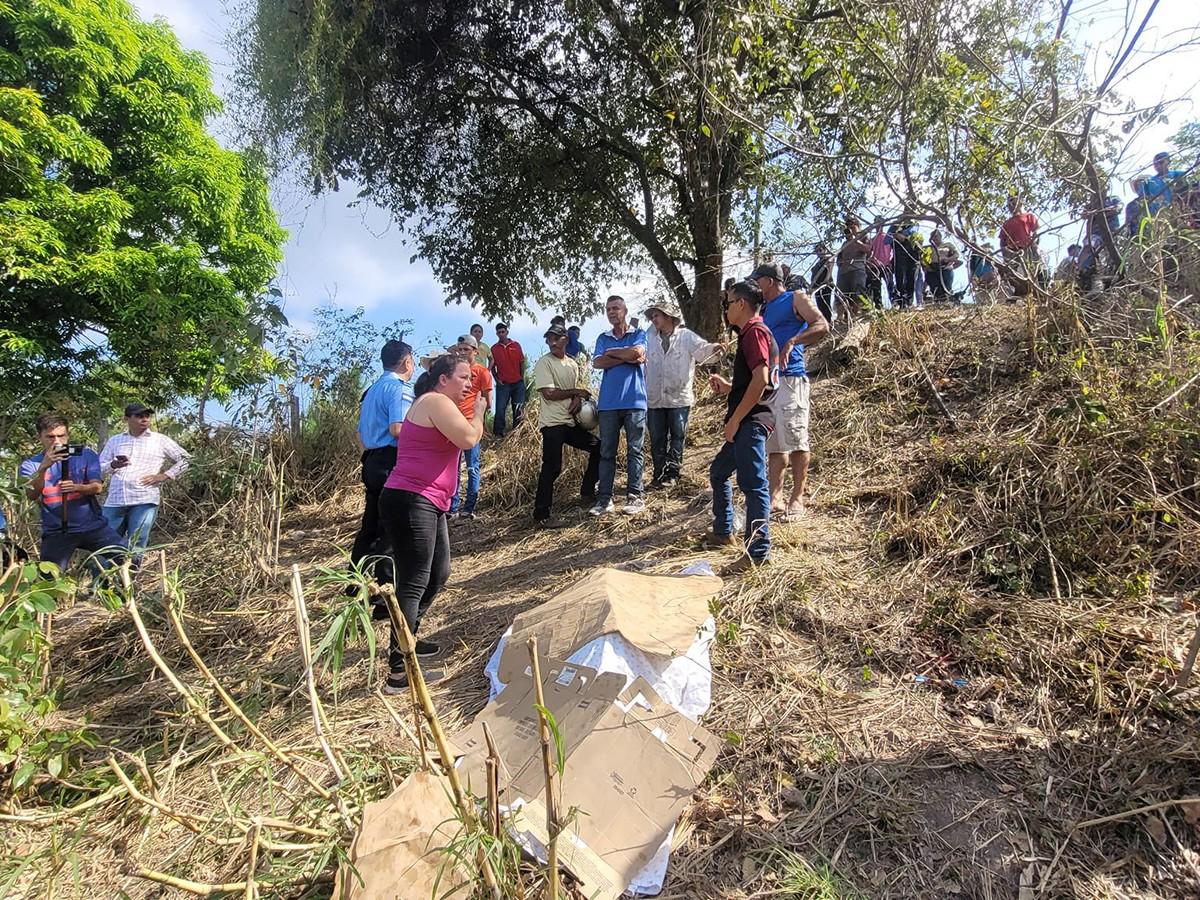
column 30, row 748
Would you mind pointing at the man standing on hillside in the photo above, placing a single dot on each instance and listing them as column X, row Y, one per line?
column 672, row 352
column 65, row 479
column 879, row 266
column 481, row 383
column 620, row 355
column 1157, row 189
column 483, row 353
column 795, row 323
column 508, row 365
column 556, row 378
column 384, row 406
column 748, row 420
column 1019, row 245
column 135, row 460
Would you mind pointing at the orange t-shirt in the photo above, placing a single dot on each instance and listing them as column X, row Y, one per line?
column 481, row 380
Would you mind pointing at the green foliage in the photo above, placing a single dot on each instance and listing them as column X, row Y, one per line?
column 348, row 620
column 134, row 250
column 549, row 143
column 29, row 749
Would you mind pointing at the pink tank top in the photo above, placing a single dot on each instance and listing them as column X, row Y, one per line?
column 426, row 464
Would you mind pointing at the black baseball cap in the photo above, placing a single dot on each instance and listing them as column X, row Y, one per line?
column 137, row 409
column 767, row 270
column 556, row 331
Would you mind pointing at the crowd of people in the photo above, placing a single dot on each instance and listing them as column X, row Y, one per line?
column 422, row 422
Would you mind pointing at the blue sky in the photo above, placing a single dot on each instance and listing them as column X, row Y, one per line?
column 356, row 257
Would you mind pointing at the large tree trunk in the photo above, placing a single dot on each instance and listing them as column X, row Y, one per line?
column 703, row 311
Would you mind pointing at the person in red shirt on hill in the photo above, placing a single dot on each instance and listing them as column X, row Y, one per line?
column 508, row 365
column 1019, row 244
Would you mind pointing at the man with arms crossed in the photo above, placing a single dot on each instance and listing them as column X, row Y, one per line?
column 795, row 323
column 556, row 378
column 620, row 354
column 135, row 460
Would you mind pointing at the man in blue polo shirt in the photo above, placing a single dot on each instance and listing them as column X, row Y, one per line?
column 65, row 479
column 620, row 354
column 384, row 406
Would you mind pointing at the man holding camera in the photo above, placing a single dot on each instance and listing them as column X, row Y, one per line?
column 65, row 479
column 135, row 460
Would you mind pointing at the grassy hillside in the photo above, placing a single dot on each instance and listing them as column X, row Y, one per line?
column 957, row 678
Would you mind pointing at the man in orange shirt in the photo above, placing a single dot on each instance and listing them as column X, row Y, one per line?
column 481, row 383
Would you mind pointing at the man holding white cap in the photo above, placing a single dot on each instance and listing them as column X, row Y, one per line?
column 672, row 352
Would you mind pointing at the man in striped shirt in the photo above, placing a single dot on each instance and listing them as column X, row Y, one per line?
column 135, row 460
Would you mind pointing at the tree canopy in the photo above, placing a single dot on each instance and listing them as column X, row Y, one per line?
column 135, row 252
column 538, row 148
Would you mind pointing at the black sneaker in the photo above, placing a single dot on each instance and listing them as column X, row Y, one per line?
column 379, row 611
column 428, row 649
column 655, row 484
column 549, row 524
column 397, row 680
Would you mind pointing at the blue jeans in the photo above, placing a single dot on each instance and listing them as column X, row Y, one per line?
column 106, row 546
column 668, row 427
column 747, row 456
column 471, row 458
column 611, row 423
column 508, row 395
column 134, row 523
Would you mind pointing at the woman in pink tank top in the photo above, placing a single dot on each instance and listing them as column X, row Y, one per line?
column 417, row 495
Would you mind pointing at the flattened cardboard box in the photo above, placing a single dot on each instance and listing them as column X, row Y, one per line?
column 658, row 614
column 632, row 765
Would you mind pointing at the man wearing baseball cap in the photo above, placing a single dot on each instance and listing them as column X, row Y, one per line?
column 135, row 461
column 795, row 323
column 672, row 352
column 481, row 383
column 557, row 377
column 1156, row 190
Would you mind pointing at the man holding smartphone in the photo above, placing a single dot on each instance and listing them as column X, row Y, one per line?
column 65, row 479
column 135, row 460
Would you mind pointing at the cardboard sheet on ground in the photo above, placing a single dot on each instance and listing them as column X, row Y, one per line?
column 632, row 765
column 660, row 615
column 398, row 850
column 683, row 677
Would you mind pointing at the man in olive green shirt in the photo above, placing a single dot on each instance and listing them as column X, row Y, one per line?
column 556, row 378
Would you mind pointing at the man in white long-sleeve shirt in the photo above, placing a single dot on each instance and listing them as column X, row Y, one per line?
column 135, row 460
column 672, row 352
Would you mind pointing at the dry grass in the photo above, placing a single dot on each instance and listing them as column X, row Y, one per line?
column 845, row 774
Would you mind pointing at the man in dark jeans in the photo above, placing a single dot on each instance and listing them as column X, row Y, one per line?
column 384, row 406
column 556, row 377
column 508, row 369
column 748, row 421
column 65, row 479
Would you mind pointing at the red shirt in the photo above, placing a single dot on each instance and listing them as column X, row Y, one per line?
column 481, row 380
column 507, row 359
column 1018, row 231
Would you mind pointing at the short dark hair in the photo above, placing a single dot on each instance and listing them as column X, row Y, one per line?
column 744, row 290
column 503, row 325
column 442, row 366
column 394, row 353
column 729, row 282
column 46, row 421
column 1074, row 247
